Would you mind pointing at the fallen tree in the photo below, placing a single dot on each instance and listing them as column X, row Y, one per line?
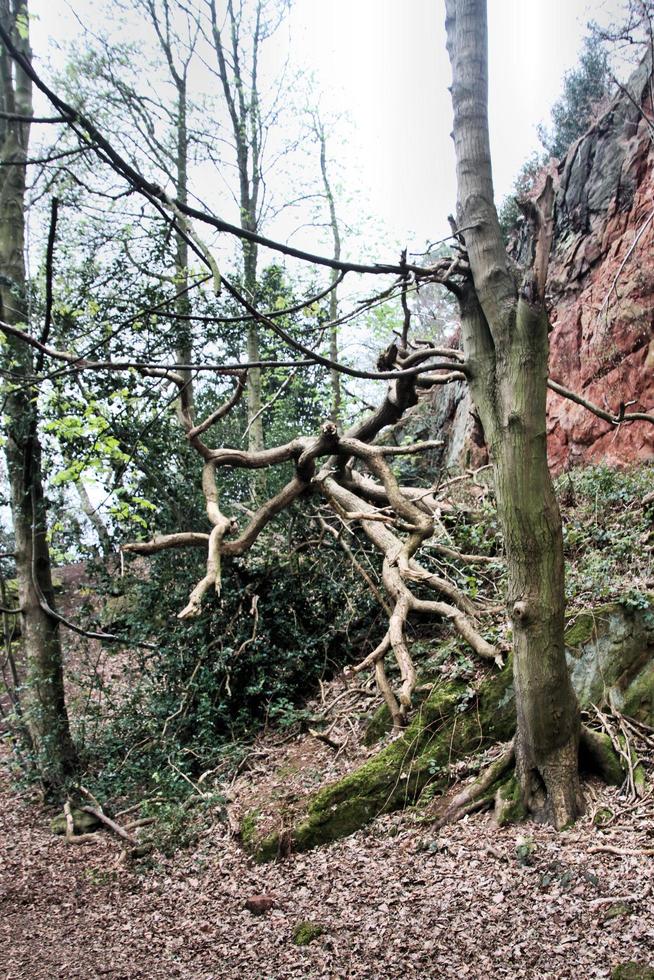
column 504, row 360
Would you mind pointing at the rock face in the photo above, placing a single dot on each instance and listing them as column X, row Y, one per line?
column 601, row 286
column 600, row 294
column 610, row 653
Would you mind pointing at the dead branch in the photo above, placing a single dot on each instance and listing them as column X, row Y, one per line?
column 613, row 899
column 71, row 836
column 111, row 824
column 626, row 851
column 415, row 511
column 618, row 419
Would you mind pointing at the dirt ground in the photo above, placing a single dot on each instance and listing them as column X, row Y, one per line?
column 394, row 900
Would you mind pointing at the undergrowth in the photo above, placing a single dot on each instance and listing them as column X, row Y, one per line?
column 608, row 534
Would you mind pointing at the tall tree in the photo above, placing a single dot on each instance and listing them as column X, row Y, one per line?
column 43, row 699
column 238, row 71
column 505, row 336
column 178, row 55
column 584, row 87
column 319, row 131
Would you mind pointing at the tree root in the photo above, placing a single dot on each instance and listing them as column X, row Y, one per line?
column 477, row 793
column 627, row 851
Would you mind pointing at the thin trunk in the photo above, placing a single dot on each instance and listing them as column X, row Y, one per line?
column 43, row 695
column 505, row 334
column 256, row 440
column 184, row 351
column 245, row 122
column 335, row 377
column 178, row 70
column 94, row 518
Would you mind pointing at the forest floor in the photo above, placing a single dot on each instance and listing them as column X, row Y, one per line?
column 397, row 899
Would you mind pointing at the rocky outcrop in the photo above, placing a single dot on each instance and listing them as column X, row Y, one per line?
column 601, row 285
column 610, row 652
column 601, row 298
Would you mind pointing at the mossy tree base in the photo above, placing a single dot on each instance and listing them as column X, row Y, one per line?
column 447, row 727
column 450, row 725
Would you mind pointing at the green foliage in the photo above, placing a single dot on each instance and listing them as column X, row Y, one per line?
column 251, row 658
column 509, row 212
column 583, row 88
column 607, row 534
column 306, row 932
column 179, row 822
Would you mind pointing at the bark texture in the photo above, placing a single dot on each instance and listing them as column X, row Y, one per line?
column 505, row 335
column 43, row 696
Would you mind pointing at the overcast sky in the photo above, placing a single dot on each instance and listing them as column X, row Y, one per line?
column 384, row 63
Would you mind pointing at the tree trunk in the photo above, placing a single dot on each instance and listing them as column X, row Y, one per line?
column 335, row 377
column 43, row 696
column 246, row 131
column 184, row 352
column 256, row 440
column 547, row 713
column 505, row 335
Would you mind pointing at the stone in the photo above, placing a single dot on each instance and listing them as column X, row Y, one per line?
column 260, row 904
column 83, row 823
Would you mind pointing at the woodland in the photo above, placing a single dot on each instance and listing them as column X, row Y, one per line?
column 326, row 574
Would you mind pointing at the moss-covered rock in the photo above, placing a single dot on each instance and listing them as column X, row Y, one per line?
column 632, row 971
column 83, row 822
column 597, row 755
column 610, row 654
column 305, row 932
column 452, row 722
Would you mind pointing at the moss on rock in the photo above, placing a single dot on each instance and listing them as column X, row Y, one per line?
column 83, row 822
column 305, row 932
column 449, row 725
column 610, row 653
column 596, row 754
column 639, row 695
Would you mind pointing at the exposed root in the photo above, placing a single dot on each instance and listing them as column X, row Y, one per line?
column 630, row 741
column 397, row 520
column 476, row 794
column 71, row 836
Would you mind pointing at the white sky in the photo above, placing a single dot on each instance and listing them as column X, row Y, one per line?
column 384, row 63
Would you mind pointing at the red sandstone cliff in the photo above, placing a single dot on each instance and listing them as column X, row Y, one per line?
column 601, row 286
